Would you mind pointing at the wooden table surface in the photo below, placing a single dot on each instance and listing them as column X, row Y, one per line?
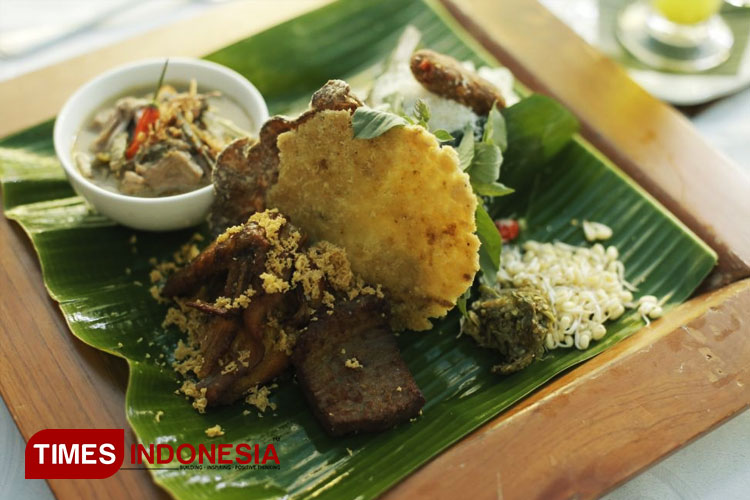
column 639, row 401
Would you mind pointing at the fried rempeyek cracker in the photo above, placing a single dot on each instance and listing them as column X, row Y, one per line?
column 399, row 204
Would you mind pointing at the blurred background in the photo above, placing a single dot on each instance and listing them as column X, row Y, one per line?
column 691, row 53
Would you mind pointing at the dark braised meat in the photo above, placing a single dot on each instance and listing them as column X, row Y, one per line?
column 352, row 373
column 447, row 77
column 226, row 382
column 231, row 260
column 238, row 347
column 244, row 171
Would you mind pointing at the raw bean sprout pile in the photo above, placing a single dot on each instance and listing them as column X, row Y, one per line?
column 586, row 287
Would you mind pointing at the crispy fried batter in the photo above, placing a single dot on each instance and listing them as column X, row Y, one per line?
column 446, row 77
column 399, row 204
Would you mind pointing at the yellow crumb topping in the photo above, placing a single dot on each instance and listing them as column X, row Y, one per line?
column 186, row 253
column 243, row 357
column 214, row 431
column 273, row 284
column 258, row 397
column 154, row 291
column 226, row 234
column 177, row 318
column 199, row 396
column 230, row 367
column 269, row 221
column 240, row 302
column 353, row 363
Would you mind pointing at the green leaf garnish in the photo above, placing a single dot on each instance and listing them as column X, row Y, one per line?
column 538, row 128
column 465, row 148
column 485, row 167
column 421, row 113
column 443, row 135
column 491, row 189
column 492, row 244
column 495, row 130
column 370, row 123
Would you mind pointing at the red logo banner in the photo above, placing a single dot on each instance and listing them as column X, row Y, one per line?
column 74, row 453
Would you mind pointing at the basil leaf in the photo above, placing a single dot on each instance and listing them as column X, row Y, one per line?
column 495, row 130
column 491, row 189
column 538, row 128
column 443, row 135
column 492, row 244
column 465, row 148
column 422, row 112
column 485, row 167
column 370, row 123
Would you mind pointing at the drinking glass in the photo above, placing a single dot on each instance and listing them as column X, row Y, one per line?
column 675, row 35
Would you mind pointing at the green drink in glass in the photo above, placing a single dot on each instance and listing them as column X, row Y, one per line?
column 675, row 35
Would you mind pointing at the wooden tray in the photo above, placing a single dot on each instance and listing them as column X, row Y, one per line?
column 601, row 422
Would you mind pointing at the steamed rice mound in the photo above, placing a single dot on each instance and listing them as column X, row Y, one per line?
column 399, row 204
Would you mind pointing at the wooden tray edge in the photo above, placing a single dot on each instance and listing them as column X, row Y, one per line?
column 45, row 108
column 664, row 386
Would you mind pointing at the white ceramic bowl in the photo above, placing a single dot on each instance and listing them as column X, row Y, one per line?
column 151, row 214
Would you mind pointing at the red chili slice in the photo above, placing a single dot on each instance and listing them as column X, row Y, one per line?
column 508, row 229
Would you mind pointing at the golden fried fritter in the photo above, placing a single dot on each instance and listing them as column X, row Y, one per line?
column 399, row 204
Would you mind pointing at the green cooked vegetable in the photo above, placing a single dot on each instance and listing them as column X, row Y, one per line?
column 512, row 322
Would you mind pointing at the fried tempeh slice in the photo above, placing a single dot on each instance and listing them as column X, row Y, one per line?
column 447, row 77
column 352, row 373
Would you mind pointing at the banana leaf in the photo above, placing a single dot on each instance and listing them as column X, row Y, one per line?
column 98, row 272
